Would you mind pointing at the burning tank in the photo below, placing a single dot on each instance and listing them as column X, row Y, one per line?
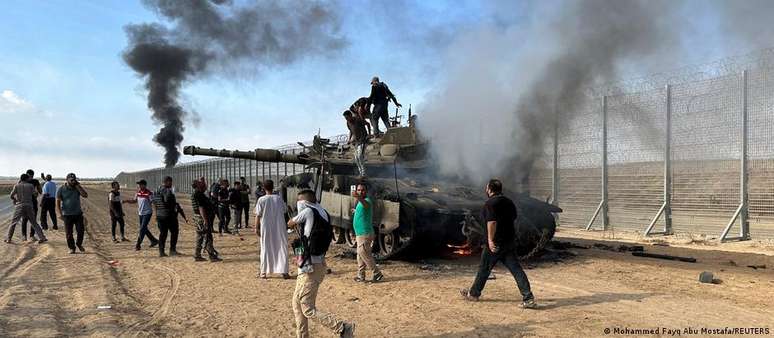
column 415, row 210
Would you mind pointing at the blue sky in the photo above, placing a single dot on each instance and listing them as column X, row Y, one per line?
column 69, row 103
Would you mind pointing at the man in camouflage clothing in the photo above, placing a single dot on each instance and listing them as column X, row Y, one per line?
column 203, row 216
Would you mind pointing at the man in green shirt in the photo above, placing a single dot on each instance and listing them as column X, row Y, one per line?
column 362, row 222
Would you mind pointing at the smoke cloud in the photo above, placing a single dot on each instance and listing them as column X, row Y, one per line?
column 508, row 87
column 206, row 38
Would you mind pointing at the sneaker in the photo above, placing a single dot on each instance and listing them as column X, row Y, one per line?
column 199, row 259
column 7, row 241
column 378, row 277
column 359, row 279
column 124, row 239
column 72, row 251
column 154, row 243
column 285, row 276
column 348, row 331
column 80, row 247
column 465, row 293
column 24, row 239
column 529, row 304
column 43, row 241
column 115, row 240
column 215, row 259
column 173, row 252
column 137, row 248
column 55, row 227
column 162, row 254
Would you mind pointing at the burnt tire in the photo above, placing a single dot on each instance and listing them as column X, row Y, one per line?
column 350, row 238
column 389, row 243
column 338, row 235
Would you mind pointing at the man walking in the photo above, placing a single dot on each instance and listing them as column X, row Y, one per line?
column 116, row 211
column 245, row 194
column 270, row 223
column 380, row 98
column 68, row 202
column 22, row 195
column 37, row 191
column 48, row 204
column 143, row 200
column 313, row 225
column 362, row 222
column 499, row 213
column 166, row 216
column 204, row 215
column 224, row 213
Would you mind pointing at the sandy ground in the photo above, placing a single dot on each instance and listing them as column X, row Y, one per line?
column 46, row 292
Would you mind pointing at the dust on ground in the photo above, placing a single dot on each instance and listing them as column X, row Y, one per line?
column 47, row 292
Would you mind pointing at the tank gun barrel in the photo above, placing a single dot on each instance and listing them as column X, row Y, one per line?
column 259, row 154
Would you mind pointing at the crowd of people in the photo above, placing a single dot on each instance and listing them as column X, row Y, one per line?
column 272, row 222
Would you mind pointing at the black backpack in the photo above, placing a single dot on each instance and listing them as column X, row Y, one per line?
column 321, row 235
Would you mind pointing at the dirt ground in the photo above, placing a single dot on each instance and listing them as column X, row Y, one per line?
column 44, row 291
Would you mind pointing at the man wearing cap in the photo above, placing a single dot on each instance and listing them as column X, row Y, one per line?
column 22, row 196
column 68, row 202
column 143, row 200
column 379, row 98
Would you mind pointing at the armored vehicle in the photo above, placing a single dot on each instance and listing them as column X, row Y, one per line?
column 414, row 208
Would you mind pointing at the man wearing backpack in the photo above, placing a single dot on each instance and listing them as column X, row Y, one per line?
column 314, row 228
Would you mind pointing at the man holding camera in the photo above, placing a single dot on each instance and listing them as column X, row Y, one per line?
column 68, row 202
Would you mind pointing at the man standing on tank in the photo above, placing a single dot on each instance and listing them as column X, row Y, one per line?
column 380, row 98
column 499, row 213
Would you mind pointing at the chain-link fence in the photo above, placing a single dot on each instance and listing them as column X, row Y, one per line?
column 687, row 153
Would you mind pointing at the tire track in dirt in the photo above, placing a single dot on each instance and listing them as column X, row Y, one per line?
column 96, row 217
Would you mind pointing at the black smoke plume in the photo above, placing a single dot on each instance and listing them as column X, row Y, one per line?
column 206, row 38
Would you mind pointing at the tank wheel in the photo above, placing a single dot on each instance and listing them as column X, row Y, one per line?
column 338, row 235
column 389, row 243
column 349, row 238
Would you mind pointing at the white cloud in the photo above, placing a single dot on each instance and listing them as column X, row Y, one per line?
column 12, row 104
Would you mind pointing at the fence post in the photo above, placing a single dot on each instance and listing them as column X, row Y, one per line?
column 744, row 232
column 605, row 219
column 668, row 165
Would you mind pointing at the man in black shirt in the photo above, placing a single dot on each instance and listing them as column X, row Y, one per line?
column 380, row 98
column 245, row 194
column 499, row 213
column 166, row 216
column 224, row 213
column 203, row 216
column 357, row 138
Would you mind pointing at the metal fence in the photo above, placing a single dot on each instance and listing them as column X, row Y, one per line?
column 688, row 153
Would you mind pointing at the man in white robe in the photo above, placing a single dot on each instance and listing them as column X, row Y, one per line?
column 270, row 221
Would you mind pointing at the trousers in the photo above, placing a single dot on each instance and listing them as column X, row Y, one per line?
column 225, row 218
column 47, row 209
column 76, row 222
column 379, row 112
column 304, row 299
column 114, row 220
column 144, row 231
column 511, row 261
column 26, row 219
column 168, row 225
column 24, row 211
column 204, row 237
column 365, row 257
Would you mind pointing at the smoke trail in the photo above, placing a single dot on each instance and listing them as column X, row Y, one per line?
column 219, row 38
column 510, row 87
